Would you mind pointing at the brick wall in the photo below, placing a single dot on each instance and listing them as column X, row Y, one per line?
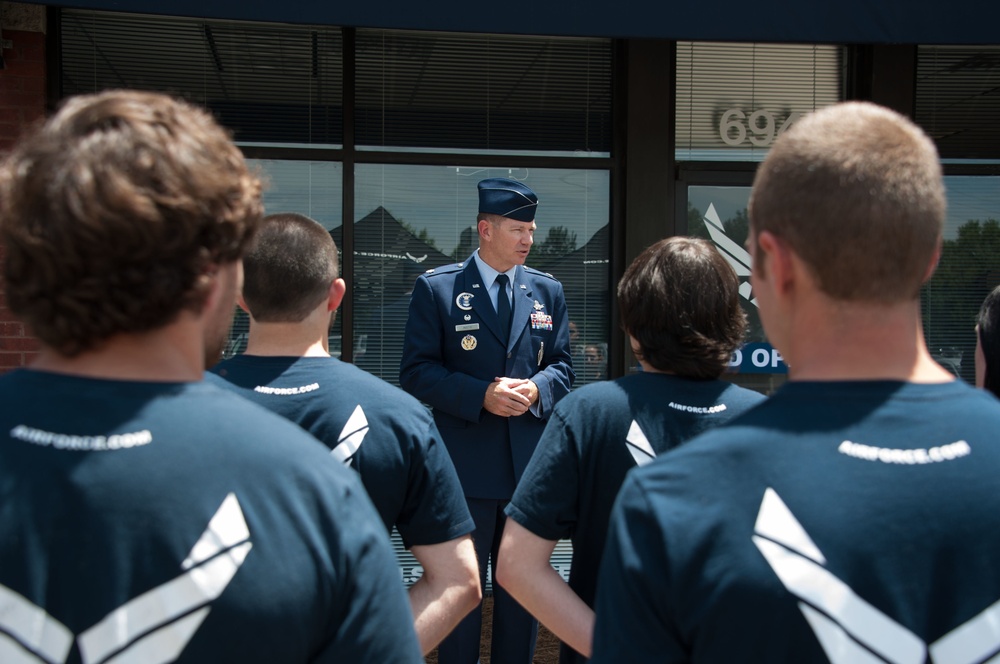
column 22, row 84
column 22, row 102
column 17, row 346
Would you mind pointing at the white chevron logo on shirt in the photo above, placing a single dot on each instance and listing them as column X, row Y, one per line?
column 850, row 630
column 351, row 437
column 152, row 628
column 638, row 445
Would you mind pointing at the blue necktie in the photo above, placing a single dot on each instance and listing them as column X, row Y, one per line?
column 503, row 305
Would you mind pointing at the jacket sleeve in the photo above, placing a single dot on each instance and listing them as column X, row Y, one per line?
column 422, row 371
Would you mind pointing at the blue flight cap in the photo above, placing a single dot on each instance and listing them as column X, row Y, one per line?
column 507, row 198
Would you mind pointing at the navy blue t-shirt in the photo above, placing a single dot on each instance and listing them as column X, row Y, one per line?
column 160, row 521
column 594, row 437
column 378, row 429
column 834, row 521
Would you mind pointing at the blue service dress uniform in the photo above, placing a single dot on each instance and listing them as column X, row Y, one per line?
column 454, row 349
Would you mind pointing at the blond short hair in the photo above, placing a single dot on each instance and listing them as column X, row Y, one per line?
column 857, row 191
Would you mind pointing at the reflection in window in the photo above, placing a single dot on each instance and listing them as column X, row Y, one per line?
column 312, row 188
column 413, row 218
column 969, row 269
column 957, row 101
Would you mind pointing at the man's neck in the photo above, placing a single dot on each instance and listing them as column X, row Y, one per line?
column 287, row 340
column 493, row 263
column 171, row 354
column 861, row 342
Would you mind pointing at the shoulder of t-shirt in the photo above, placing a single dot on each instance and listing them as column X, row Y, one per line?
column 241, row 422
column 377, row 394
column 212, row 376
column 600, row 395
column 743, row 396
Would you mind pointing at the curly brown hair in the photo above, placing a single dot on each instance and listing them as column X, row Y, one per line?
column 680, row 301
column 114, row 212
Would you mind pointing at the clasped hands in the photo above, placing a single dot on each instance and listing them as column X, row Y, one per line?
column 510, row 397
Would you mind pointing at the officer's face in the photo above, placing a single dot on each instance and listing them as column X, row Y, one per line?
column 506, row 243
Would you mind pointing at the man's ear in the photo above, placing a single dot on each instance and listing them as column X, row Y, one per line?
column 932, row 266
column 336, row 294
column 243, row 304
column 775, row 260
column 485, row 229
column 213, row 283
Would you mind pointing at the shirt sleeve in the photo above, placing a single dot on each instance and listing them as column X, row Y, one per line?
column 631, row 607
column 435, row 509
column 371, row 620
column 546, row 500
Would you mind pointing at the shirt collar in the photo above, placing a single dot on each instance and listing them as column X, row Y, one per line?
column 488, row 274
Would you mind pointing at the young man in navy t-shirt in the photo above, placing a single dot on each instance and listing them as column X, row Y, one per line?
column 853, row 516
column 680, row 305
column 147, row 516
column 291, row 291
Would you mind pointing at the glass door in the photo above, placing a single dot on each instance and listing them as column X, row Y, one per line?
column 719, row 213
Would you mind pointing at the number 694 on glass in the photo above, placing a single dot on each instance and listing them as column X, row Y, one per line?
column 760, row 127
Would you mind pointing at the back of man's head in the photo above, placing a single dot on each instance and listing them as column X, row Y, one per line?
column 679, row 299
column 856, row 190
column 289, row 268
column 114, row 214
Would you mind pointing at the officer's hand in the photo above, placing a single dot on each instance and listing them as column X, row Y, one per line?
column 523, row 386
column 503, row 400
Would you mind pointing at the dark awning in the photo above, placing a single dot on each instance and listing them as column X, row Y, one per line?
column 842, row 22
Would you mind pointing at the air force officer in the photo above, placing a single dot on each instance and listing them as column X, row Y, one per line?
column 487, row 347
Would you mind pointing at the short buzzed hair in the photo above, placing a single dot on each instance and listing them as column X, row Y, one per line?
column 680, row 301
column 289, row 268
column 857, row 191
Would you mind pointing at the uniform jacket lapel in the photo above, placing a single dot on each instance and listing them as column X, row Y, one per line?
column 521, row 306
column 481, row 302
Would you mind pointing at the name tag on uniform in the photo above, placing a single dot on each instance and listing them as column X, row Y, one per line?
column 467, row 327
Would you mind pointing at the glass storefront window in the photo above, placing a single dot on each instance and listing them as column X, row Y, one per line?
column 270, row 84
column 956, row 99
column 496, row 94
column 413, row 218
column 734, row 99
column 969, row 269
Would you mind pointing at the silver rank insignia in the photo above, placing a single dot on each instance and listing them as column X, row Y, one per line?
column 469, row 342
column 464, row 301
